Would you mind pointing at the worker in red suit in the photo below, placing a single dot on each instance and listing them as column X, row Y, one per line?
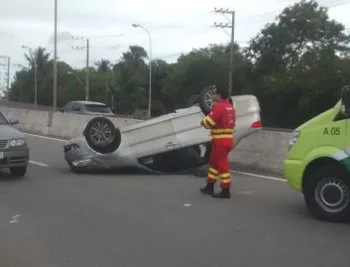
column 221, row 121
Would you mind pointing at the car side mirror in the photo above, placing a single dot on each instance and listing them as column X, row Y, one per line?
column 13, row 122
column 60, row 109
column 345, row 100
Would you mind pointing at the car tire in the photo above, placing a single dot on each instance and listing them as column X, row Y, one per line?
column 101, row 127
column 205, row 102
column 327, row 193
column 18, row 171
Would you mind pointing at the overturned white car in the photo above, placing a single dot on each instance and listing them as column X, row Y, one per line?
column 171, row 143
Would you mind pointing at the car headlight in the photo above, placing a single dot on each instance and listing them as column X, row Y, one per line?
column 17, row 142
column 294, row 138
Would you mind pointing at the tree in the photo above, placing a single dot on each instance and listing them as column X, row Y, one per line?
column 132, row 80
column 103, row 65
column 203, row 67
column 295, row 66
column 286, row 56
column 38, row 57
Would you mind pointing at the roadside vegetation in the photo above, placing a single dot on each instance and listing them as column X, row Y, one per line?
column 296, row 67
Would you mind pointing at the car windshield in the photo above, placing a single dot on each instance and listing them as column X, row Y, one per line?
column 3, row 119
column 97, row 108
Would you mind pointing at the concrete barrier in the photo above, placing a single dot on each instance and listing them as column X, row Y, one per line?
column 63, row 125
column 262, row 151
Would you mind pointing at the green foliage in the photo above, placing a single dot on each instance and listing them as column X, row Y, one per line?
column 295, row 66
column 298, row 64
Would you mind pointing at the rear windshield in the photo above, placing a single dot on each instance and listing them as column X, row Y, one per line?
column 98, row 108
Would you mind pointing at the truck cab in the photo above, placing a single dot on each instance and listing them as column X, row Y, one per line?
column 318, row 161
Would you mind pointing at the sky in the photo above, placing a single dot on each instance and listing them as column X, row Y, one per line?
column 175, row 26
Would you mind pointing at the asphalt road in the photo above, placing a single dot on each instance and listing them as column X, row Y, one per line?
column 54, row 218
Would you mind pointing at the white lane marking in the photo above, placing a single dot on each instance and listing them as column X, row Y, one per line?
column 14, row 218
column 46, row 137
column 271, row 178
column 38, row 163
column 187, row 205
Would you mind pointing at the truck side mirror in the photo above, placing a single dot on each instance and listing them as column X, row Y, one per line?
column 345, row 100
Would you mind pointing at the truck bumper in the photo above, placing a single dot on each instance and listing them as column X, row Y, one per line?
column 293, row 171
column 14, row 158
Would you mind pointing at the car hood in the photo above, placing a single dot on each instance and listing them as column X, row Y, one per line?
column 9, row 132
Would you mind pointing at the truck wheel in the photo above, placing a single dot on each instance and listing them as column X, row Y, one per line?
column 18, row 171
column 327, row 193
column 205, row 99
column 102, row 136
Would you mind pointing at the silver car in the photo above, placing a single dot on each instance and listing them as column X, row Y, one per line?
column 87, row 108
column 14, row 151
column 171, row 143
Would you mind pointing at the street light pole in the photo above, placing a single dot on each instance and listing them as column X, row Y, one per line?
column 150, row 67
column 87, row 93
column 55, row 60
column 35, row 73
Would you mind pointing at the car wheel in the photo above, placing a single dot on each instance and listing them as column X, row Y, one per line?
column 205, row 99
column 327, row 193
column 18, row 171
column 102, row 136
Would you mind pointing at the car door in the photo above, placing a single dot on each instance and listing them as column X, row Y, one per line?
column 151, row 137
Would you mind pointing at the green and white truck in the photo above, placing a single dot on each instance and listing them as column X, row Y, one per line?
column 318, row 161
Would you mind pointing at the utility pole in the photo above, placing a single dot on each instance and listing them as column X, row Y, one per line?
column 8, row 76
column 87, row 47
column 232, row 26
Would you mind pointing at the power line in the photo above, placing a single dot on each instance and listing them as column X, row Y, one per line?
column 259, row 18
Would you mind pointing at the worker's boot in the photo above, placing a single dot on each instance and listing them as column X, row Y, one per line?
column 208, row 189
column 224, row 193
